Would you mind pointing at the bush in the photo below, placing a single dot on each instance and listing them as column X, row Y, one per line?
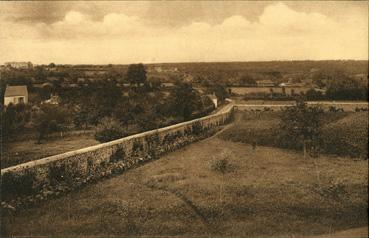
column 109, row 129
column 221, row 164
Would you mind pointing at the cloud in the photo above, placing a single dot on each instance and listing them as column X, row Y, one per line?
column 278, row 33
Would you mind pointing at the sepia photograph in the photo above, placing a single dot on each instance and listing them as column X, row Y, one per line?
column 184, row 119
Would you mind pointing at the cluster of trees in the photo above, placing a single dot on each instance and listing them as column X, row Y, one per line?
column 45, row 119
column 117, row 112
column 243, row 73
column 114, row 111
column 339, row 86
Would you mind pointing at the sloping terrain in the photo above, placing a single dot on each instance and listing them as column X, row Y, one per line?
column 344, row 134
column 347, row 136
column 193, row 192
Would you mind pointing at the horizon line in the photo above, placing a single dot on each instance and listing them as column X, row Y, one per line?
column 189, row 62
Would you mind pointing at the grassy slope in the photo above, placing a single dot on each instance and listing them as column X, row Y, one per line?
column 348, row 135
column 343, row 133
column 266, row 192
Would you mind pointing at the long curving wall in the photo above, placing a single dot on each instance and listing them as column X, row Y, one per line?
column 36, row 180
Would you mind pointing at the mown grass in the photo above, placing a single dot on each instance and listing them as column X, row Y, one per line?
column 27, row 150
column 268, row 192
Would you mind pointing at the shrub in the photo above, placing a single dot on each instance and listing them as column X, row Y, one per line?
column 109, row 129
column 221, row 164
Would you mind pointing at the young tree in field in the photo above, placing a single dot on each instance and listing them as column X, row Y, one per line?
column 300, row 125
column 136, row 74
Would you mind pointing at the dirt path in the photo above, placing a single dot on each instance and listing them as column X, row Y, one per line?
column 186, row 201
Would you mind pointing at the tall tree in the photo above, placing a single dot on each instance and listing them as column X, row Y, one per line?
column 300, row 124
column 184, row 100
column 136, row 74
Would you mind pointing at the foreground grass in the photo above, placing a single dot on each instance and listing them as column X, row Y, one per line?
column 27, row 150
column 267, row 192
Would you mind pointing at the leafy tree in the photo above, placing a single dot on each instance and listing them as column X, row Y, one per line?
column 96, row 101
column 49, row 119
column 155, row 83
column 184, row 100
column 312, row 94
column 300, row 124
column 136, row 74
column 40, row 74
column 13, row 119
column 220, row 92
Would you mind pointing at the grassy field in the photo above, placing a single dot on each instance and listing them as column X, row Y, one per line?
column 266, row 192
column 26, row 150
column 343, row 133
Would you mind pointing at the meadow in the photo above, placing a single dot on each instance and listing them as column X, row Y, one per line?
column 21, row 151
column 342, row 133
column 210, row 188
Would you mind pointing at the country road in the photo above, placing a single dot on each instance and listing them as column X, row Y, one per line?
column 347, row 106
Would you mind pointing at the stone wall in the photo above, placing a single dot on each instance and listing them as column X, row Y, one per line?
column 37, row 180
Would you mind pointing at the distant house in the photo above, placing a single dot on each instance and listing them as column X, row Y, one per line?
column 15, row 95
column 284, row 85
column 168, row 85
column 265, row 83
column 158, row 69
column 19, row 65
column 214, row 99
column 54, row 100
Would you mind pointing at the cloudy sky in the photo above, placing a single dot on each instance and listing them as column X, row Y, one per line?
column 182, row 31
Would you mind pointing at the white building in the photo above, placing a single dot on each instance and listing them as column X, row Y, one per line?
column 19, row 65
column 15, row 95
column 214, row 99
